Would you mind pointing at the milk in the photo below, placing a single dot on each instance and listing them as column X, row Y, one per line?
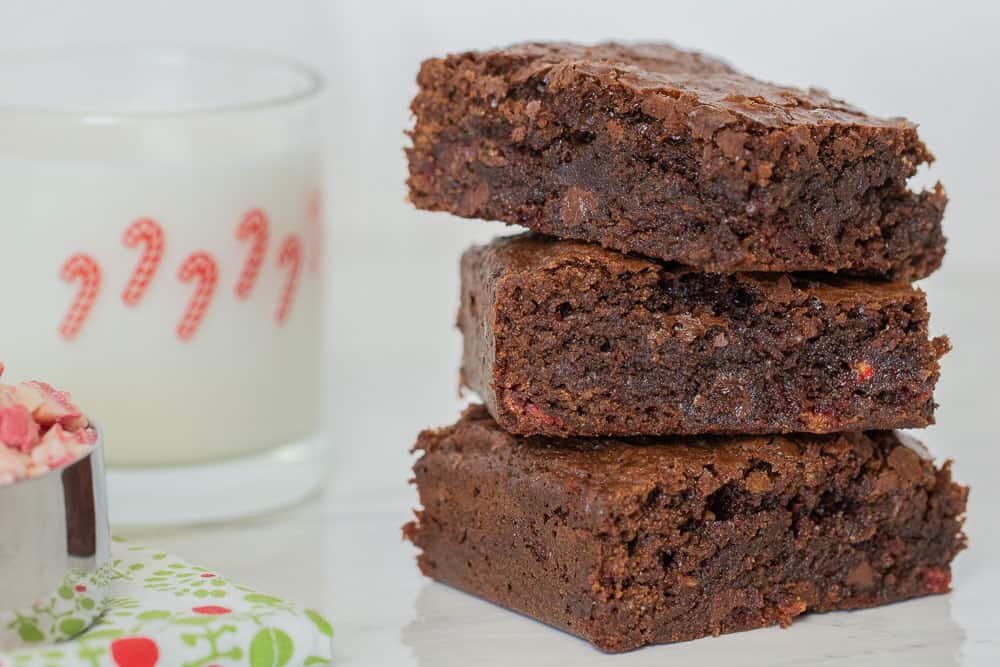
column 162, row 261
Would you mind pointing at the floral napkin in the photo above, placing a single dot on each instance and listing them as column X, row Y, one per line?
column 162, row 611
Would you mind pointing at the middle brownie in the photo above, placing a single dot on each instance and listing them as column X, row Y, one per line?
column 564, row 338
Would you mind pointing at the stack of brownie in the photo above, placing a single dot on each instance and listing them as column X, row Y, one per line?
column 692, row 366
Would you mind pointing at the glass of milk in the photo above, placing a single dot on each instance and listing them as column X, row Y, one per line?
column 161, row 256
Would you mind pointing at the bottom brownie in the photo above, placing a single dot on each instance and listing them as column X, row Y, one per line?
column 646, row 541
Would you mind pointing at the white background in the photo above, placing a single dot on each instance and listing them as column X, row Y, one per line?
column 393, row 277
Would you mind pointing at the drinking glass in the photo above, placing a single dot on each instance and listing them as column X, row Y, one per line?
column 161, row 243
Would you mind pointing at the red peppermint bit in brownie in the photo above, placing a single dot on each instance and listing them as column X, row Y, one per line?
column 936, row 579
column 522, row 406
column 864, row 371
column 536, row 413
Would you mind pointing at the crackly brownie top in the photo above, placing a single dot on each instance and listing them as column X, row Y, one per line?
column 606, row 472
column 530, row 256
column 714, row 90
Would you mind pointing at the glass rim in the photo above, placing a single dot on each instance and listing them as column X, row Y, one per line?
column 313, row 82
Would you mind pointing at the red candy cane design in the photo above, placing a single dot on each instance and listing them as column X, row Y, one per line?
column 291, row 256
column 85, row 269
column 202, row 267
column 255, row 228
column 148, row 233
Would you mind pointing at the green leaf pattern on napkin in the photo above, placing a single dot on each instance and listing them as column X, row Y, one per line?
column 73, row 606
column 164, row 611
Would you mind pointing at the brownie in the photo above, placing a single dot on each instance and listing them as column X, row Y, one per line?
column 627, row 543
column 566, row 338
column 672, row 155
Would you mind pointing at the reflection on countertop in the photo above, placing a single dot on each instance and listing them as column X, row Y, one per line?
column 452, row 629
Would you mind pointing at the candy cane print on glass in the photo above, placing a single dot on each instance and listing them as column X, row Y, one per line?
column 84, row 269
column 290, row 257
column 149, row 234
column 255, row 228
column 201, row 268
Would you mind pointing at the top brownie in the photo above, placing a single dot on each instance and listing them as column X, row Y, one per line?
column 674, row 155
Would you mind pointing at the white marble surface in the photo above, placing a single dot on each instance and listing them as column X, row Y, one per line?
column 394, row 374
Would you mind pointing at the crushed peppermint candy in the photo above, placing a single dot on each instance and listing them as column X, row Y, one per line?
column 40, row 430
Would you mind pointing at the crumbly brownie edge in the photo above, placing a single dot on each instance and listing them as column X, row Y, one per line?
column 622, row 567
column 703, row 205
column 561, row 338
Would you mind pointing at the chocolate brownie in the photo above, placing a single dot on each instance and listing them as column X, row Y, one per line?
column 672, row 155
column 567, row 338
column 627, row 543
